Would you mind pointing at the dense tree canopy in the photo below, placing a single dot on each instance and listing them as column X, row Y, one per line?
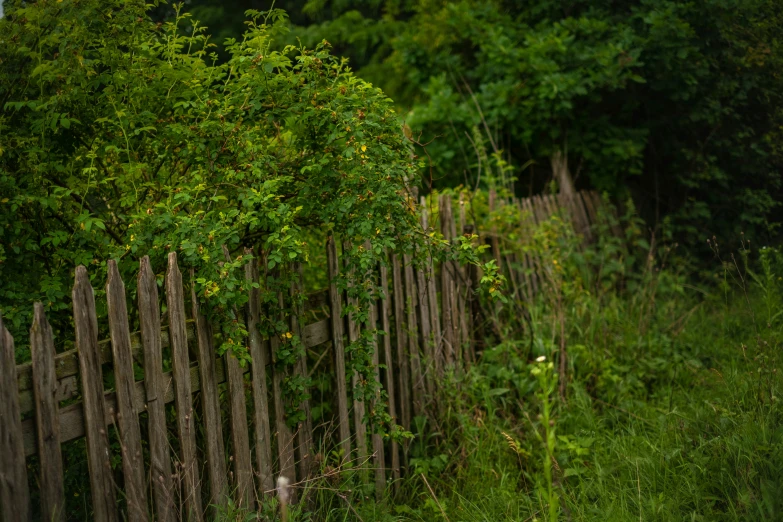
column 677, row 103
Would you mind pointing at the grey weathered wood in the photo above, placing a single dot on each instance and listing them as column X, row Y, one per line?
column 336, row 318
column 579, row 210
column 66, row 364
column 417, row 381
column 47, row 417
column 160, row 462
column 592, row 211
column 432, row 296
column 493, row 232
column 14, row 494
column 566, row 210
column 549, row 209
column 447, row 287
column 533, row 261
column 128, row 422
column 186, row 426
column 463, row 288
column 429, row 321
column 285, row 439
column 428, row 364
column 524, row 261
column 72, row 416
column 213, row 425
column 240, row 441
column 360, row 429
column 538, row 209
column 98, row 454
column 401, row 344
column 244, row 490
column 258, row 354
column 304, row 432
column 379, row 460
column 389, row 363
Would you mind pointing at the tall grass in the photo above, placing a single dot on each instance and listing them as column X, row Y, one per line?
column 671, row 406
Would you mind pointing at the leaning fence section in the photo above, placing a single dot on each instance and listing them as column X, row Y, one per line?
column 428, row 321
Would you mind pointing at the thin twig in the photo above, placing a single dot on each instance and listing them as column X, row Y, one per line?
column 434, row 497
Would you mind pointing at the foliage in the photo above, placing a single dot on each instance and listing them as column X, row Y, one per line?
column 672, row 409
column 674, row 103
column 122, row 137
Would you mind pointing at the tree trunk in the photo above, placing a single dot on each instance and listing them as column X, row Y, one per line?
column 561, row 173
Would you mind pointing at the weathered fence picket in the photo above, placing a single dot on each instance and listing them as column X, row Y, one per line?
column 304, row 431
column 160, row 461
column 389, row 364
column 360, row 429
column 186, row 422
column 417, row 380
column 14, row 494
column 337, row 322
column 98, row 452
column 127, row 420
column 285, row 438
column 47, row 417
column 401, row 342
column 258, row 353
column 213, row 426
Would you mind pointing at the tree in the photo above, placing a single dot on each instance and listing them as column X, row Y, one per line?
column 674, row 103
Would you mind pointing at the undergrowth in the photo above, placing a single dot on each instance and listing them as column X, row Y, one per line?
column 624, row 391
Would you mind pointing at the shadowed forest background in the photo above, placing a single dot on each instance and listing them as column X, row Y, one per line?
column 676, row 104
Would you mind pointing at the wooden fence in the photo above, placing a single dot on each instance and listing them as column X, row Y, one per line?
column 429, row 316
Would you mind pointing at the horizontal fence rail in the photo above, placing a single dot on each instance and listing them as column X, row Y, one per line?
column 428, row 318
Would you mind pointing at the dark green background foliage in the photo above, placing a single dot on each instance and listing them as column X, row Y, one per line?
column 677, row 103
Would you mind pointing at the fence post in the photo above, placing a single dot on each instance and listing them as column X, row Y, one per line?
column 336, row 318
column 358, row 405
column 379, row 459
column 183, row 395
column 128, row 421
column 305, row 428
column 14, row 495
column 401, row 338
column 258, row 353
column 285, row 439
column 428, row 316
column 240, row 442
column 387, row 359
column 160, row 462
column 98, row 456
column 447, row 273
column 47, row 417
column 413, row 338
column 215, row 452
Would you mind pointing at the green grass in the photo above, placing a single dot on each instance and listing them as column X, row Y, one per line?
column 672, row 408
column 661, row 424
column 658, row 425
